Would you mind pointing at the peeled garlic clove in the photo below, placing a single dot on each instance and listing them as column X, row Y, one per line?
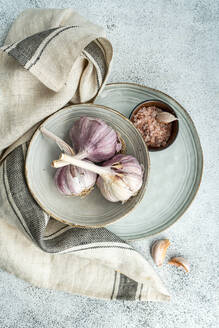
column 180, row 262
column 166, row 117
column 93, row 139
column 158, row 251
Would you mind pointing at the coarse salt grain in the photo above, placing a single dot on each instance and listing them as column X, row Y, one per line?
column 155, row 133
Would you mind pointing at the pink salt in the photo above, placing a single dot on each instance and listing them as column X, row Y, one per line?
column 154, row 133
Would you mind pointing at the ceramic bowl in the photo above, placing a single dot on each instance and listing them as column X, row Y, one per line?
column 166, row 108
column 93, row 210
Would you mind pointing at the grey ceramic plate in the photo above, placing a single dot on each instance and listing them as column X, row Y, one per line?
column 175, row 172
column 93, row 210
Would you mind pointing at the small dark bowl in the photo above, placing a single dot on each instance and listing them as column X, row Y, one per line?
column 166, row 108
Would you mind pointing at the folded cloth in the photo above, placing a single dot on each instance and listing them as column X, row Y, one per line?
column 50, row 57
column 40, row 79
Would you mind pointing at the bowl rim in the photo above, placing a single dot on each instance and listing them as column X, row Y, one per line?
column 171, row 140
column 146, row 175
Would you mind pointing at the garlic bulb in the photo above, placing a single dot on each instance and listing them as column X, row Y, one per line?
column 74, row 181
column 69, row 179
column 127, row 181
column 93, row 139
column 119, row 178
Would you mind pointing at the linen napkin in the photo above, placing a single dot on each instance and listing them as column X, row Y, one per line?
column 50, row 57
column 53, row 57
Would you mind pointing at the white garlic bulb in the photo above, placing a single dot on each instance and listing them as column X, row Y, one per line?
column 126, row 182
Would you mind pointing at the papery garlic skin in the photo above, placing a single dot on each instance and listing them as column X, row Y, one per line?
column 74, row 181
column 93, row 139
column 127, row 181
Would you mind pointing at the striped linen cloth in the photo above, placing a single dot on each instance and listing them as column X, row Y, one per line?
column 50, row 58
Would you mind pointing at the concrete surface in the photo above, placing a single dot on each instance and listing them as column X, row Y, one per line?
column 171, row 45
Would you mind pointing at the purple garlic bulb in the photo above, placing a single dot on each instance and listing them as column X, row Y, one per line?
column 93, row 139
column 74, row 181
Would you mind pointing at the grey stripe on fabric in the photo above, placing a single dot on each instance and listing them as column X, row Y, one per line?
column 96, row 52
column 35, row 218
column 78, row 237
column 127, row 288
column 11, row 203
column 97, row 75
column 26, row 48
column 46, row 44
column 31, row 212
column 101, row 46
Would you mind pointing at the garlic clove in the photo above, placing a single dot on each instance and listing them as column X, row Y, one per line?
column 116, row 191
column 120, row 146
column 166, row 117
column 158, row 251
column 60, row 181
column 180, row 262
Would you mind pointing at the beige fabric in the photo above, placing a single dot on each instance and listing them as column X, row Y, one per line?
column 91, row 274
column 68, row 64
column 64, row 72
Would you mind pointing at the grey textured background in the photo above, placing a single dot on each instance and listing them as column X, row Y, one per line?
column 171, row 45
